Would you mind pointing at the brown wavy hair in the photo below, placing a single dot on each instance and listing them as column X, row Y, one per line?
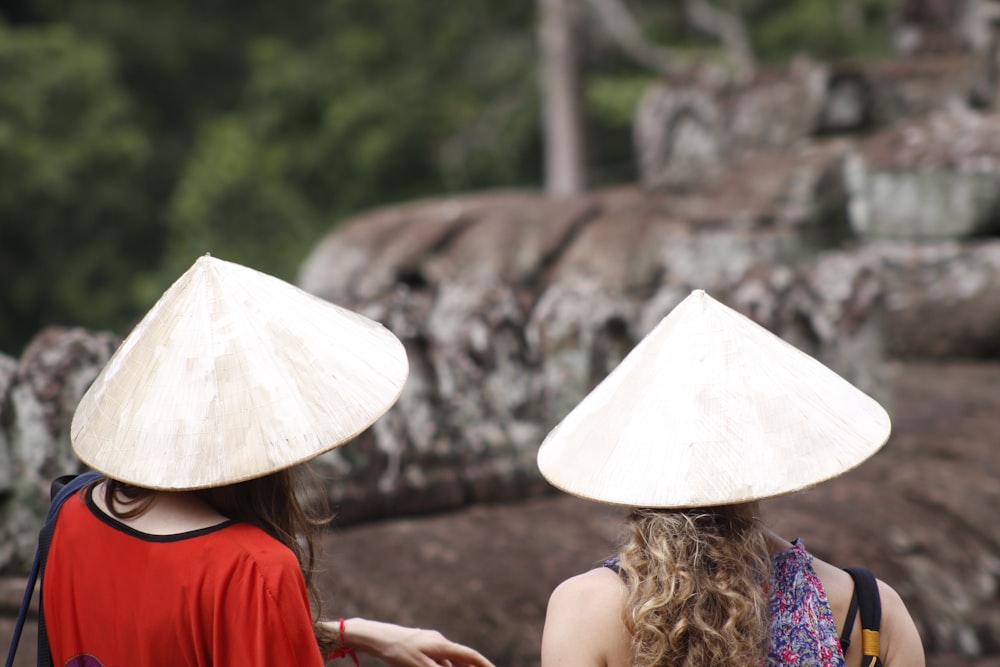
column 279, row 504
column 697, row 583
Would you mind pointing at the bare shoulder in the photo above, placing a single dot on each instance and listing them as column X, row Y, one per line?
column 587, row 602
column 901, row 645
column 583, row 623
column 838, row 586
column 899, row 641
column 601, row 582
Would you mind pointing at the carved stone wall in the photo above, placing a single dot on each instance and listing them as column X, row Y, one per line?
column 38, row 394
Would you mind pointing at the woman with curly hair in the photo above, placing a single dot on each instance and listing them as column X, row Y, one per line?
column 709, row 414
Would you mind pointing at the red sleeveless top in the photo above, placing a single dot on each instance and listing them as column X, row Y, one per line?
column 226, row 595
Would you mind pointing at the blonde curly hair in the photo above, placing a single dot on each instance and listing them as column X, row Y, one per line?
column 697, row 584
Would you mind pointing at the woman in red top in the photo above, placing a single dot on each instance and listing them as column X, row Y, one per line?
column 197, row 547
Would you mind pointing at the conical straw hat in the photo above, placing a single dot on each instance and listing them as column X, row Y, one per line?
column 711, row 408
column 232, row 375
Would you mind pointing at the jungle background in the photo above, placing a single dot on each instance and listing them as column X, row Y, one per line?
column 133, row 136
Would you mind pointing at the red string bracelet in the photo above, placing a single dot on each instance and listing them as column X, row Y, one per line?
column 343, row 650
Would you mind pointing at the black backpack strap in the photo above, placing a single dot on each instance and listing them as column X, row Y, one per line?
column 870, row 604
column 62, row 488
column 852, row 612
column 22, row 613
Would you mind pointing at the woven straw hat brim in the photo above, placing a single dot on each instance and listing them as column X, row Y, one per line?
column 232, row 375
column 711, row 408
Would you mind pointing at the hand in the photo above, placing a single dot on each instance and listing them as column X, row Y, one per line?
column 402, row 646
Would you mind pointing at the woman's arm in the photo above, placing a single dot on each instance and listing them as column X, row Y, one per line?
column 583, row 623
column 405, row 647
column 900, row 641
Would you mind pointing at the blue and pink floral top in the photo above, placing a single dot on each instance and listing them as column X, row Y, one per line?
column 803, row 630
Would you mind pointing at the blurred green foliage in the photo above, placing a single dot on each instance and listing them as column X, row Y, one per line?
column 135, row 136
column 72, row 169
column 377, row 114
column 824, row 29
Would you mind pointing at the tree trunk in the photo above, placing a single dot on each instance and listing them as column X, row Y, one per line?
column 565, row 171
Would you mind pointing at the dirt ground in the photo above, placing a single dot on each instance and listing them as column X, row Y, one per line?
column 482, row 575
